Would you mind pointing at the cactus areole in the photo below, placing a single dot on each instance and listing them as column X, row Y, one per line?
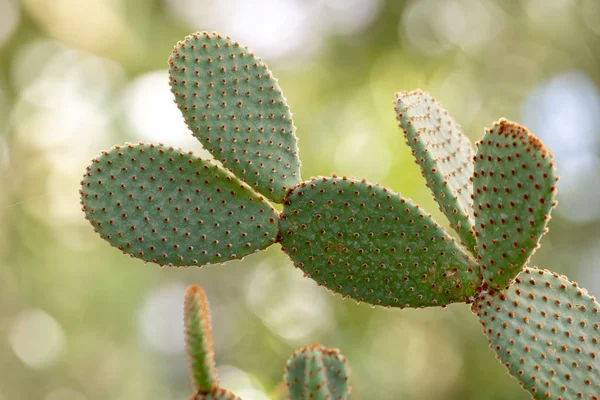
column 356, row 238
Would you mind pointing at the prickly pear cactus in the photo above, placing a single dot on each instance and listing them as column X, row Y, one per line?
column 546, row 331
column 358, row 239
column 369, row 243
column 513, row 193
column 163, row 205
column 444, row 155
column 314, row 372
column 232, row 103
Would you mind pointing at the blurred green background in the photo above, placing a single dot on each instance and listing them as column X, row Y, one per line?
column 80, row 321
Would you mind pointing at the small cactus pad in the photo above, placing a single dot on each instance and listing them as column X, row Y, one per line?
column 444, row 154
column 232, row 103
column 513, row 195
column 366, row 242
column 546, row 331
column 217, row 394
column 169, row 207
column 314, row 372
column 198, row 338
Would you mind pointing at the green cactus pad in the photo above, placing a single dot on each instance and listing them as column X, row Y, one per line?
column 198, row 339
column 513, row 195
column 444, row 155
column 217, row 394
column 165, row 206
column 315, row 372
column 546, row 331
column 232, row 103
column 368, row 243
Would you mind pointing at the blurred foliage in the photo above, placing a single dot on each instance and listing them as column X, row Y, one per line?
column 80, row 321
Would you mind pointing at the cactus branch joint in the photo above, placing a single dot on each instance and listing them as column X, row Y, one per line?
column 358, row 239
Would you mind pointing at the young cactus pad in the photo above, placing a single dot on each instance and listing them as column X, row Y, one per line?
column 546, row 330
column 314, row 372
column 198, row 339
column 513, row 193
column 162, row 205
column 232, row 103
column 444, row 155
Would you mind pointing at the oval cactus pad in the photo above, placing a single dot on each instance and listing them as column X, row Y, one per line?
column 366, row 242
column 546, row 331
column 169, row 207
column 232, row 103
column 444, row 155
column 513, row 190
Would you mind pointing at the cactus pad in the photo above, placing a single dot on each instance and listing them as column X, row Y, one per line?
column 165, row 206
column 198, row 338
column 314, row 372
column 546, row 331
column 513, row 195
column 444, row 155
column 232, row 103
column 366, row 242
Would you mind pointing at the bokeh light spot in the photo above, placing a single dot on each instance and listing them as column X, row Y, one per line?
column 241, row 383
column 565, row 113
column 152, row 115
column 36, row 338
column 10, row 15
column 161, row 319
column 277, row 296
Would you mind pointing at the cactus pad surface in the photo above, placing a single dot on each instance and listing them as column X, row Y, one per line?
column 546, row 331
column 315, row 372
column 169, row 207
column 232, row 103
column 513, row 195
column 444, row 155
column 366, row 242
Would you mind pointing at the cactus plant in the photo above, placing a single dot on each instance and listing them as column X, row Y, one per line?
column 356, row 238
column 312, row 372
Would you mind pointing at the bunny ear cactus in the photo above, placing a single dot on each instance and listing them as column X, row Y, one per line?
column 444, row 155
column 369, row 243
column 513, row 193
column 546, row 331
column 163, row 205
column 312, row 372
column 232, row 103
column 169, row 207
column 358, row 239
